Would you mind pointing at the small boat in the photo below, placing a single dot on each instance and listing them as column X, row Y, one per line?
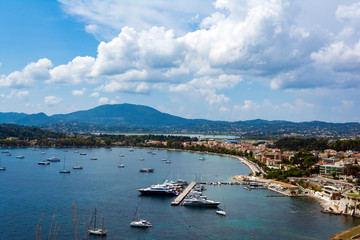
column 53, row 159
column 201, row 158
column 121, row 166
column 147, row 170
column 131, row 150
column 77, row 167
column 64, row 170
column 122, row 155
column 93, row 158
column 43, row 152
column 98, row 231
column 141, row 159
column 83, row 153
column 44, row 163
column 164, row 159
column 8, row 154
column 168, row 161
column 140, row 223
column 2, row 168
column 20, row 156
column 247, row 188
column 221, row 212
column 5, row 151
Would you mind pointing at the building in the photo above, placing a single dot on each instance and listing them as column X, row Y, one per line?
column 327, row 169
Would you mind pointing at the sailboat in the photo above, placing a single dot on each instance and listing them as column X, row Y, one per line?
column 64, row 170
column 2, row 168
column 141, row 158
column 98, row 231
column 77, row 166
column 140, row 223
column 221, row 211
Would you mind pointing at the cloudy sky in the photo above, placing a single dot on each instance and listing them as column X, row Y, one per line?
column 295, row 60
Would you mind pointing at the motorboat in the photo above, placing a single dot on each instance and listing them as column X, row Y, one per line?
column 141, row 223
column 165, row 189
column 121, row 166
column 77, row 167
column 2, row 168
column 168, row 161
column 44, row 163
column 53, row 159
column 200, row 202
column 147, row 170
column 20, row 156
column 93, row 158
column 83, row 153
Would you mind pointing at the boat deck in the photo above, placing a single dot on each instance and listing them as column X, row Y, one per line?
column 181, row 197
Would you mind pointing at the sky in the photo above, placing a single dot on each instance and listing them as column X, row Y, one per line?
column 295, row 60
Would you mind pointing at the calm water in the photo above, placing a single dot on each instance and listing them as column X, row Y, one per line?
column 28, row 189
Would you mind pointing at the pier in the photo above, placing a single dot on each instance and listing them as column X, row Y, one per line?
column 179, row 198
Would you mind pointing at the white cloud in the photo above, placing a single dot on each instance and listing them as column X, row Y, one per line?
column 224, row 109
column 105, row 19
column 95, row 94
column 52, row 100
column 78, row 92
column 35, row 71
column 16, row 93
column 104, row 100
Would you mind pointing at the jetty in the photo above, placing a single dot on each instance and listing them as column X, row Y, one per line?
column 181, row 197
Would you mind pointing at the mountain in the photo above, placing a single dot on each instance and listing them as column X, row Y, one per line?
column 138, row 118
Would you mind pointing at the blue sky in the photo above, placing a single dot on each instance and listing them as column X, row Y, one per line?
column 228, row 60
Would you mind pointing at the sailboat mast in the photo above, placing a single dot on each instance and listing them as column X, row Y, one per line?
column 95, row 220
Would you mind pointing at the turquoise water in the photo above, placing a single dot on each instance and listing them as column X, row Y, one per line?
column 28, row 189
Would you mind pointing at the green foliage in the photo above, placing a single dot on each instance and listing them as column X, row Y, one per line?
column 308, row 144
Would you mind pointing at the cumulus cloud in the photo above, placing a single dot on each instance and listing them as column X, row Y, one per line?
column 35, row 71
column 95, row 94
column 255, row 39
column 52, row 100
column 104, row 100
column 78, row 92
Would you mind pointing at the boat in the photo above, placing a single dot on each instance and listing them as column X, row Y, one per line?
column 64, row 170
column 220, row 211
column 79, row 167
column 164, row 159
column 165, row 189
column 202, row 158
column 200, row 202
column 93, row 158
column 2, row 168
column 168, row 161
column 44, row 163
column 97, row 231
column 43, row 152
column 20, row 156
column 83, row 153
column 148, row 170
column 8, row 154
column 131, row 150
column 53, row 159
column 121, row 166
column 140, row 223
column 121, row 155
column 5, row 151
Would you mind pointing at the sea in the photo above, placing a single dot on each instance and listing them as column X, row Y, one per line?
column 37, row 199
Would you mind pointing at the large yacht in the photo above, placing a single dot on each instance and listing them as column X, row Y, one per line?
column 165, row 189
column 200, row 202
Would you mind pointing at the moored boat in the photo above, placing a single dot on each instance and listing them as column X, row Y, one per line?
column 44, row 163
column 53, row 159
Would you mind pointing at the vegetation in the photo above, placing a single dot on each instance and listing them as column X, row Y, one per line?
column 308, row 144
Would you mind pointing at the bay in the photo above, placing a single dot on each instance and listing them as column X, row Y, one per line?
column 27, row 190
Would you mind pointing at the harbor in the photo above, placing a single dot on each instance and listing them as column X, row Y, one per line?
column 114, row 192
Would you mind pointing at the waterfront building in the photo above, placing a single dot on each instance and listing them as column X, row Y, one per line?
column 327, row 169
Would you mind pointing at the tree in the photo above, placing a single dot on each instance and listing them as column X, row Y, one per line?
column 333, row 174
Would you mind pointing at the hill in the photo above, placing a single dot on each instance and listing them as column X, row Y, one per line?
column 138, row 118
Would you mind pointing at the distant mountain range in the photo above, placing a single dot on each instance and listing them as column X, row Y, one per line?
column 138, row 118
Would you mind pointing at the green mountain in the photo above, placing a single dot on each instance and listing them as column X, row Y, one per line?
column 138, row 118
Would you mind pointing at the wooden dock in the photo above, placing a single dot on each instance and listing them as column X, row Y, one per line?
column 182, row 195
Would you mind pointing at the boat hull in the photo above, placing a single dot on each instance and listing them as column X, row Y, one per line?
column 157, row 193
